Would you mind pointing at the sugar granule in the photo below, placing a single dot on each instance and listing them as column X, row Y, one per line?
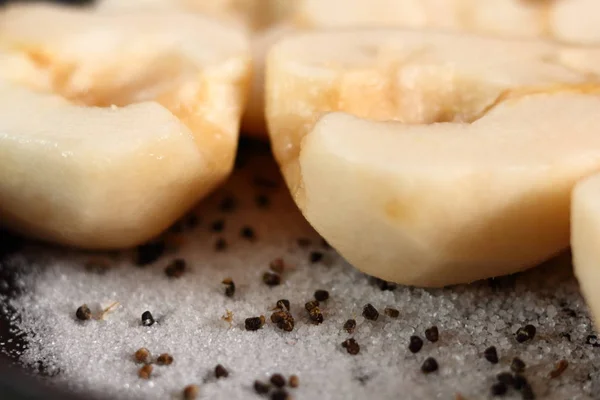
column 190, row 328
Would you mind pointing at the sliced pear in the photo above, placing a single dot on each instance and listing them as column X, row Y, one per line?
column 415, row 77
column 576, row 21
column 424, row 78
column 448, row 203
column 113, row 126
column 585, row 235
column 265, row 20
column 251, row 14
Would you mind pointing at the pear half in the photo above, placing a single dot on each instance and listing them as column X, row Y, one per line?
column 266, row 21
column 585, row 235
column 462, row 184
column 410, row 76
column 575, row 21
column 449, row 203
column 111, row 127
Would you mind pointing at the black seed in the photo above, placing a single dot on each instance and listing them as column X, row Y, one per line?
column 383, row 285
column 370, row 312
column 277, row 316
column 261, row 387
column 432, row 334
column 314, row 312
column 254, row 323
column 278, row 380
column 566, row 335
column 499, row 389
column 491, row 354
column 351, row 346
column 218, row 225
column 350, row 326
column 506, row 378
column 220, row 244
column 277, row 265
column 303, row 242
column 248, row 233
column 150, row 252
column 271, row 278
column 145, row 371
column 83, row 313
column 429, row 365
column 284, row 320
column 321, row 295
column 517, row 365
column 229, row 287
column 530, row 329
column 280, row 394
column 519, row 382
column 559, row 368
column 525, row 333
column 228, row 204
column 593, row 340
column 391, row 312
column 311, row 304
column 176, row 268
column 164, row 359
column 521, row 336
column 190, row 392
column 262, row 201
column 315, row 256
column 316, row 315
column 147, row 318
column 294, row 381
column 527, row 392
column 143, row 355
column 221, row 372
column 415, row 344
column 283, row 304
column 286, row 324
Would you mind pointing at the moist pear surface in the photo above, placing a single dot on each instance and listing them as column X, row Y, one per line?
column 447, row 203
column 409, row 76
column 112, row 126
column 574, row 21
column 441, row 90
column 265, row 20
column 585, row 235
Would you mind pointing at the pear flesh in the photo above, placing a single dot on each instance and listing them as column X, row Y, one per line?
column 112, row 127
column 449, row 203
column 585, row 236
column 471, row 174
column 266, row 21
column 573, row 21
column 414, row 77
